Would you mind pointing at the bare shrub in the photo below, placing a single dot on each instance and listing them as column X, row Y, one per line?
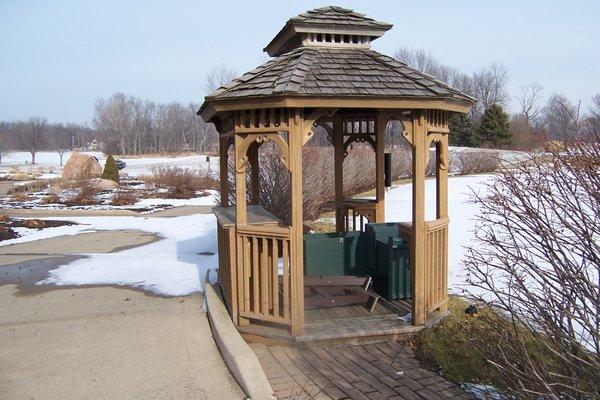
column 86, row 196
column 536, row 259
column 401, row 163
column 475, row 162
column 51, row 199
column 359, row 171
column 182, row 183
column 317, row 180
column 29, row 187
column 124, row 198
column 21, row 197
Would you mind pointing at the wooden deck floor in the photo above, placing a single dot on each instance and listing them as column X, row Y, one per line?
column 344, row 324
column 374, row 371
column 323, row 314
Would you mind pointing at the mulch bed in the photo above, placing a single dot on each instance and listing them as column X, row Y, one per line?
column 7, row 224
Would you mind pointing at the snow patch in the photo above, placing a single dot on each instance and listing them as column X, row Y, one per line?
column 172, row 266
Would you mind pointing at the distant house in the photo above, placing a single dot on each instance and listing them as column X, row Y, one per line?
column 94, row 145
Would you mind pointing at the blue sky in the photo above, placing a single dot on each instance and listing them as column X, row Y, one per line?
column 57, row 57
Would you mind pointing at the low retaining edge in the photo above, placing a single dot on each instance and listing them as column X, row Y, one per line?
column 238, row 356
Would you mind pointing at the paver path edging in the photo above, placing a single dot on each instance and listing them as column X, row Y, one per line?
column 238, row 356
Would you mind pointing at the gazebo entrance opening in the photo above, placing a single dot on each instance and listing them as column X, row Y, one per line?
column 280, row 283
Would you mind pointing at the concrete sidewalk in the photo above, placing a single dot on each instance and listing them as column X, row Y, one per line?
column 108, row 343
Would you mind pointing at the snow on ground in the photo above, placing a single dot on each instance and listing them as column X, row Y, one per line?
column 29, row 235
column 209, row 200
column 48, row 163
column 143, row 165
column 398, row 207
column 173, row 265
column 506, row 157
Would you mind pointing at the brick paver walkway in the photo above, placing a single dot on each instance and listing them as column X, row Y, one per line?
column 373, row 371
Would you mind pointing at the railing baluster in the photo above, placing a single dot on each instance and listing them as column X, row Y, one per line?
column 286, row 280
column 275, row 277
column 255, row 288
column 264, row 277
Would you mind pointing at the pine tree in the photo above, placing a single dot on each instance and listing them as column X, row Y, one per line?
column 463, row 132
column 494, row 129
column 111, row 171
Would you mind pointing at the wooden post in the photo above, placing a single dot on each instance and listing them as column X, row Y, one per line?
column 254, row 173
column 338, row 161
column 419, row 162
column 380, row 125
column 297, row 238
column 240, row 182
column 442, row 207
column 223, row 170
column 442, row 178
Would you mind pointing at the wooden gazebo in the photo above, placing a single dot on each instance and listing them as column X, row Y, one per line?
column 323, row 73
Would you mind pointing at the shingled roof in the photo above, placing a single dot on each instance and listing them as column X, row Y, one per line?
column 332, row 20
column 339, row 16
column 325, row 53
column 315, row 71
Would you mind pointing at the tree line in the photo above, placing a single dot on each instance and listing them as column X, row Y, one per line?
column 134, row 126
column 488, row 125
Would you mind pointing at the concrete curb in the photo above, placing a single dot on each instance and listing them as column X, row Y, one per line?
column 238, row 356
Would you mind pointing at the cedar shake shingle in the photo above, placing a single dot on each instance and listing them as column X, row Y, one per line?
column 318, row 71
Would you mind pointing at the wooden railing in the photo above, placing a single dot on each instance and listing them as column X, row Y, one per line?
column 262, row 252
column 354, row 214
column 227, row 272
column 436, row 261
column 436, row 264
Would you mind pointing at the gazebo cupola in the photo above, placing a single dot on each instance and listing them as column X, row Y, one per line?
column 273, row 278
column 327, row 27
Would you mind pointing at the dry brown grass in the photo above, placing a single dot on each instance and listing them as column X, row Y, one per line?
column 475, row 162
column 182, row 183
column 124, row 198
column 21, row 197
column 85, row 196
column 29, row 187
column 51, row 199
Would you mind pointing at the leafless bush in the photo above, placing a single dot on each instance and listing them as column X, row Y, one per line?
column 401, row 163
column 21, row 197
column 124, row 198
column 536, row 259
column 317, row 179
column 475, row 162
column 51, row 199
column 86, row 196
column 182, row 183
column 33, row 186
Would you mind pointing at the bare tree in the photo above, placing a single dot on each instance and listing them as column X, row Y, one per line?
column 529, row 99
column 113, row 116
column 30, row 135
column 217, row 77
column 490, row 87
column 57, row 137
column 4, row 139
column 424, row 61
column 593, row 120
column 562, row 118
column 536, row 262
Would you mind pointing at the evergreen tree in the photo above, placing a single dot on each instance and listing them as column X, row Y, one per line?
column 463, row 132
column 494, row 129
column 111, row 171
